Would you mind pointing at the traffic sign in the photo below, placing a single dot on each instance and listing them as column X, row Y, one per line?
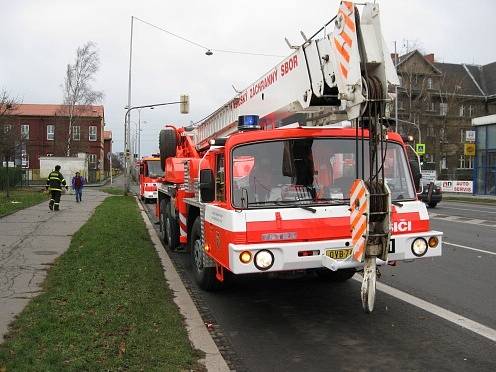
column 420, row 148
column 469, row 149
column 470, row 135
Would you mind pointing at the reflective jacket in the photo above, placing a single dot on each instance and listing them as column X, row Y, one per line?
column 55, row 181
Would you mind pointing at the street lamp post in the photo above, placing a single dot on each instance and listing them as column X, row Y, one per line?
column 415, row 125
column 184, row 101
column 127, row 125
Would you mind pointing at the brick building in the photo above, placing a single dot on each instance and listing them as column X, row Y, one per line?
column 43, row 130
column 437, row 102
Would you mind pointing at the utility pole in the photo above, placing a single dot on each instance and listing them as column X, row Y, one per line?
column 127, row 124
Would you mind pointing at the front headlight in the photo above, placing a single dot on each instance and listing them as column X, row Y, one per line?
column 264, row 260
column 419, row 247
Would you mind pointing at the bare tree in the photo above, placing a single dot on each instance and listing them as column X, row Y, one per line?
column 11, row 142
column 78, row 92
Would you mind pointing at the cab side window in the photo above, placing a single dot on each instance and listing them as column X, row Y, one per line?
column 220, row 177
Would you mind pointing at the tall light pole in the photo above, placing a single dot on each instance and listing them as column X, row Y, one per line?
column 415, row 125
column 184, row 102
column 127, row 130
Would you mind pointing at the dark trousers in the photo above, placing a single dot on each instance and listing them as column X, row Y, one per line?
column 55, row 199
column 79, row 194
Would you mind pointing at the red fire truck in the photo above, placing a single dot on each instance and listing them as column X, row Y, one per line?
column 150, row 173
column 300, row 171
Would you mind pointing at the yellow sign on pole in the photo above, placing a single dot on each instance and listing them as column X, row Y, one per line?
column 469, row 149
column 420, row 148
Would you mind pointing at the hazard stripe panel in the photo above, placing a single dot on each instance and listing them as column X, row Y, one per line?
column 359, row 207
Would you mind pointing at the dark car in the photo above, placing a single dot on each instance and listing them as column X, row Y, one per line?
column 431, row 195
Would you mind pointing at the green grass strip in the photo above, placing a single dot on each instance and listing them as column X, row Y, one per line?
column 113, row 190
column 469, row 199
column 106, row 305
column 20, row 199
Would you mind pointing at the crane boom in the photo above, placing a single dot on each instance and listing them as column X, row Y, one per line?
column 324, row 80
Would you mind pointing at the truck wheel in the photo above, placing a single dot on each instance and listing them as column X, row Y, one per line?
column 336, row 276
column 171, row 229
column 163, row 234
column 167, row 144
column 432, row 204
column 204, row 276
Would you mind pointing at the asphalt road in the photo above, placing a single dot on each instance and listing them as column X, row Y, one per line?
column 306, row 324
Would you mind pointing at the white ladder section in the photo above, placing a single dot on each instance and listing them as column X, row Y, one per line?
column 221, row 122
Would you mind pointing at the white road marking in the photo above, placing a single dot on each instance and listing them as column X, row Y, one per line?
column 453, row 218
column 459, row 219
column 469, row 209
column 472, row 249
column 457, row 319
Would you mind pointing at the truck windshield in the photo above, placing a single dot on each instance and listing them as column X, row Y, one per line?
column 154, row 169
column 308, row 171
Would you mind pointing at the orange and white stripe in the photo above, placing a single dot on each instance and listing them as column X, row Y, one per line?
column 182, row 228
column 359, row 202
column 344, row 34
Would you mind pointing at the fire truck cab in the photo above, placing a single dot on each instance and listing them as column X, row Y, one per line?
column 278, row 200
column 150, row 173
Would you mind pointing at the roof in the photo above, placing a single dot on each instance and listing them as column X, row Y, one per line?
column 107, row 135
column 31, row 109
column 457, row 74
column 489, row 77
column 477, row 80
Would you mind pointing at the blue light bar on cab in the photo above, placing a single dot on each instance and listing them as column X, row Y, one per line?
column 248, row 122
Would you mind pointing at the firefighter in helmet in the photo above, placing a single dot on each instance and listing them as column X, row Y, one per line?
column 54, row 184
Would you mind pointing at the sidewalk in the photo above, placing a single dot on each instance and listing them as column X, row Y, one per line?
column 31, row 239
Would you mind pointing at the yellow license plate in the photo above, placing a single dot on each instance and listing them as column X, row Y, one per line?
column 339, row 254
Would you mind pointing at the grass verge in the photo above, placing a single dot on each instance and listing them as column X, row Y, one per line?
column 469, row 199
column 20, row 199
column 113, row 190
column 106, row 305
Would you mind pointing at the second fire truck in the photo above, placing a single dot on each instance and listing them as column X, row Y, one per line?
column 300, row 172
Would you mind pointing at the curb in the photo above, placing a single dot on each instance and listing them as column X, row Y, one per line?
column 198, row 334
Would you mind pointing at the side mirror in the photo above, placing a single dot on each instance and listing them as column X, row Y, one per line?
column 414, row 162
column 207, row 185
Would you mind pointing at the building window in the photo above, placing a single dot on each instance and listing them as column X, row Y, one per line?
column 431, row 132
column 471, row 110
column 92, row 161
column 443, row 109
column 442, row 135
column 50, row 132
column 400, row 105
column 76, row 132
column 443, row 162
column 466, row 162
column 462, row 110
column 25, row 131
column 92, row 133
column 400, row 79
column 7, row 128
column 429, row 83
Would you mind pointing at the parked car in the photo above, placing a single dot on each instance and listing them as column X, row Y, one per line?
column 435, row 196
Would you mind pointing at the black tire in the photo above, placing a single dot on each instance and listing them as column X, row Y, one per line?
column 167, row 144
column 204, row 276
column 171, row 229
column 432, row 204
column 336, row 276
column 163, row 234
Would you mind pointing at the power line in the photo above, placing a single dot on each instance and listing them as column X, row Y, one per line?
column 206, row 48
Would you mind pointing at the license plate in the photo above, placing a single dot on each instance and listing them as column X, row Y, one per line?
column 338, row 254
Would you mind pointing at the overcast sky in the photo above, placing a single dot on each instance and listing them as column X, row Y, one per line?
column 39, row 38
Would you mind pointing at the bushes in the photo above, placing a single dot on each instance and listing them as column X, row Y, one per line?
column 14, row 177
